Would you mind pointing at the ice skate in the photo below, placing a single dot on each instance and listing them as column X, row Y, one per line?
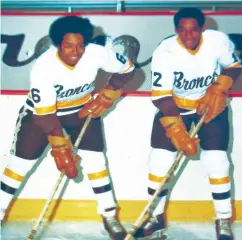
column 114, row 228
column 154, row 229
column 223, row 229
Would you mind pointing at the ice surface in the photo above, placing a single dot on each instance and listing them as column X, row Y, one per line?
column 95, row 231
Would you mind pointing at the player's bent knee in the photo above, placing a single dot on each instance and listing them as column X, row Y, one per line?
column 216, row 162
column 160, row 161
column 19, row 165
column 92, row 161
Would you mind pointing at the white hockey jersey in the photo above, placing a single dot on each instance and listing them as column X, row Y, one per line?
column 186, row 74
column 56, row 87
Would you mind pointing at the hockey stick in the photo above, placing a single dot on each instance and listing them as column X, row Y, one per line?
column 47, row 204
column 146, row 213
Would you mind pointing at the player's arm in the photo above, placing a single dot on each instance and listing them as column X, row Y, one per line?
column 216, row 95
column 162, row 83
column 229, row 61
column 162, row 86
column 43, row 95
column 121, row 67
column 123, row 70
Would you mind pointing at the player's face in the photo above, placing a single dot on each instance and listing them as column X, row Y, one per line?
column 189, row 32
column 72, row 48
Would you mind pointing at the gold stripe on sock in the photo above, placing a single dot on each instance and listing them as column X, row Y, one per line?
column 216, row 181
column 157, row 179
column 98, row 175
column 9, row 173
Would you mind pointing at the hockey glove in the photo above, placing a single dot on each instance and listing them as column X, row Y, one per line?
column 62, row 153
column 215, row 98
column 177, row 133
column 99, row 105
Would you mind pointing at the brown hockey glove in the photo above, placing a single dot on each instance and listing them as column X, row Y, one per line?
column 215, row 98
column 177, row 133
column 99, row 105
column 62, row 153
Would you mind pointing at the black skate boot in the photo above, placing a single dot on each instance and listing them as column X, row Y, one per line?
column 154, row 229
column 223, row 229
column 114, row 228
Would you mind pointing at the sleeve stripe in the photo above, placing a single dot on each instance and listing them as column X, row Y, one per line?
column 131, row 67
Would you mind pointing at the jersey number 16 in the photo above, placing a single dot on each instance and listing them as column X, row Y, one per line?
column 121, row 58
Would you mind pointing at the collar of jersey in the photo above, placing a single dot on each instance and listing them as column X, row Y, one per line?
column 68, row 66
column 193, row 52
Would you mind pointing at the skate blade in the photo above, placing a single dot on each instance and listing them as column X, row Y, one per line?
column 158, row 235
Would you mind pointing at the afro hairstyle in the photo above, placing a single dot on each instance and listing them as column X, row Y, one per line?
column 70, row 24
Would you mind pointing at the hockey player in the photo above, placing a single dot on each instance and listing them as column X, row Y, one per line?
column 62, row 80
column 191, row 71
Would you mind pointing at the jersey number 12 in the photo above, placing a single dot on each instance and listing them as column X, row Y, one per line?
column 157, row 76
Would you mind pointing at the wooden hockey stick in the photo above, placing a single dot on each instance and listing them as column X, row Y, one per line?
column 146, row 213
column 47, row 204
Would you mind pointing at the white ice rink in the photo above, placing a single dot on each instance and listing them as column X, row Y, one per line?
column 95, row 231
